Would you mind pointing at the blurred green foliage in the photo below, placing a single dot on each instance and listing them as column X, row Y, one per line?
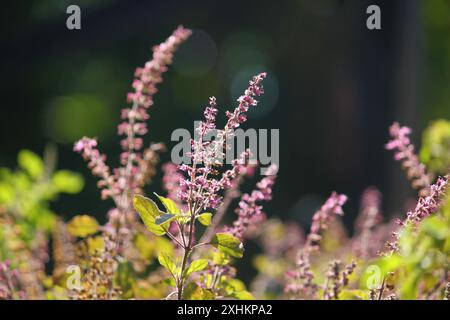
column 435, row 152
column 26, row 193
column 436, row 21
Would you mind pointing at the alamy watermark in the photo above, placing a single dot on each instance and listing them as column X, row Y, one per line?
column 264, row 145
column 374, row 20
column 73, row 21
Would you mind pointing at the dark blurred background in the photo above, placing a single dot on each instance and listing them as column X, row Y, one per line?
column 334, row 86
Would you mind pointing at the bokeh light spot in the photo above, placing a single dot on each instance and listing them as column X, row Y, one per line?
column 241, row 50
column 197, row 56
column 72, row 117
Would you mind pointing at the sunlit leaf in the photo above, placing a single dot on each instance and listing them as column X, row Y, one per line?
column 193, row 292
column 166, row 261
column 148, row 211
column 242, row 295
column 170, row 206
column 197, row 265
column 82, row 226
column 95, row 244
column 353, row 295
column 205, row 218
column 67, row 181
column 169, row 282
column 31, row 163
column 145, row 207
column 228, row 244
column 144, row 245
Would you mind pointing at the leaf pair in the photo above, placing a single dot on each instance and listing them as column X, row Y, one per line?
column 167, row 262
column 149, row 212
column 158, row 222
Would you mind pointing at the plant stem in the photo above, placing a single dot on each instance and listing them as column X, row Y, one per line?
column 187, row 251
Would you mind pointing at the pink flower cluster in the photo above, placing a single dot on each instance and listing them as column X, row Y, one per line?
column 96, row 162
column 200, row 190
column 428, row 205
column 370, row 214
column 425, row 207
column 365, row 244
column 9, row 280
column 249, row 210
column 322, row 217
column 146, row 79
column 404, row 152
column 125, row 180
column 171, row 181
column 300, row 280
column 245, row 101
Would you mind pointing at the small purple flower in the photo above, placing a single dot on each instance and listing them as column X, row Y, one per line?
column 201, row 186
column 425, row 207
column 249, row 210
column 302, row 281
column 428, row 205
column 404, row 152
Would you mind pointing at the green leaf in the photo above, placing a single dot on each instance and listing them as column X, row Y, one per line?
column 353, row 295
column 154, row 228
column 164, row 218
column 95, row 244
column 67, row 181
column 163, row 245
column 242, row 295
column 166, row 261
column 197, row 265
column 233, row 285
column 435, row 227
column 228, row 244
column 184, row 219
column 148, row 211
column 145, row 207
column 193, row 292
column 169, row 282
column 144, row 245
column 6, row 193
column 205, row 218
column 125, row 277
column 221, row 258
column 31, row 163
column 82, row 226
column 168, row 204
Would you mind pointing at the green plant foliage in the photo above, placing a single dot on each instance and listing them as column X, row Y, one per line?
column 228, row 244
column 197, row 265
column 166, row 261
column 205, row 218
column 435, row 151
column 422, row 252
column 25, row 196
column 31, row 163
column 148, row 211
column 170, row 206
column 195, row 292
column 82, row 226
column 66, row 181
